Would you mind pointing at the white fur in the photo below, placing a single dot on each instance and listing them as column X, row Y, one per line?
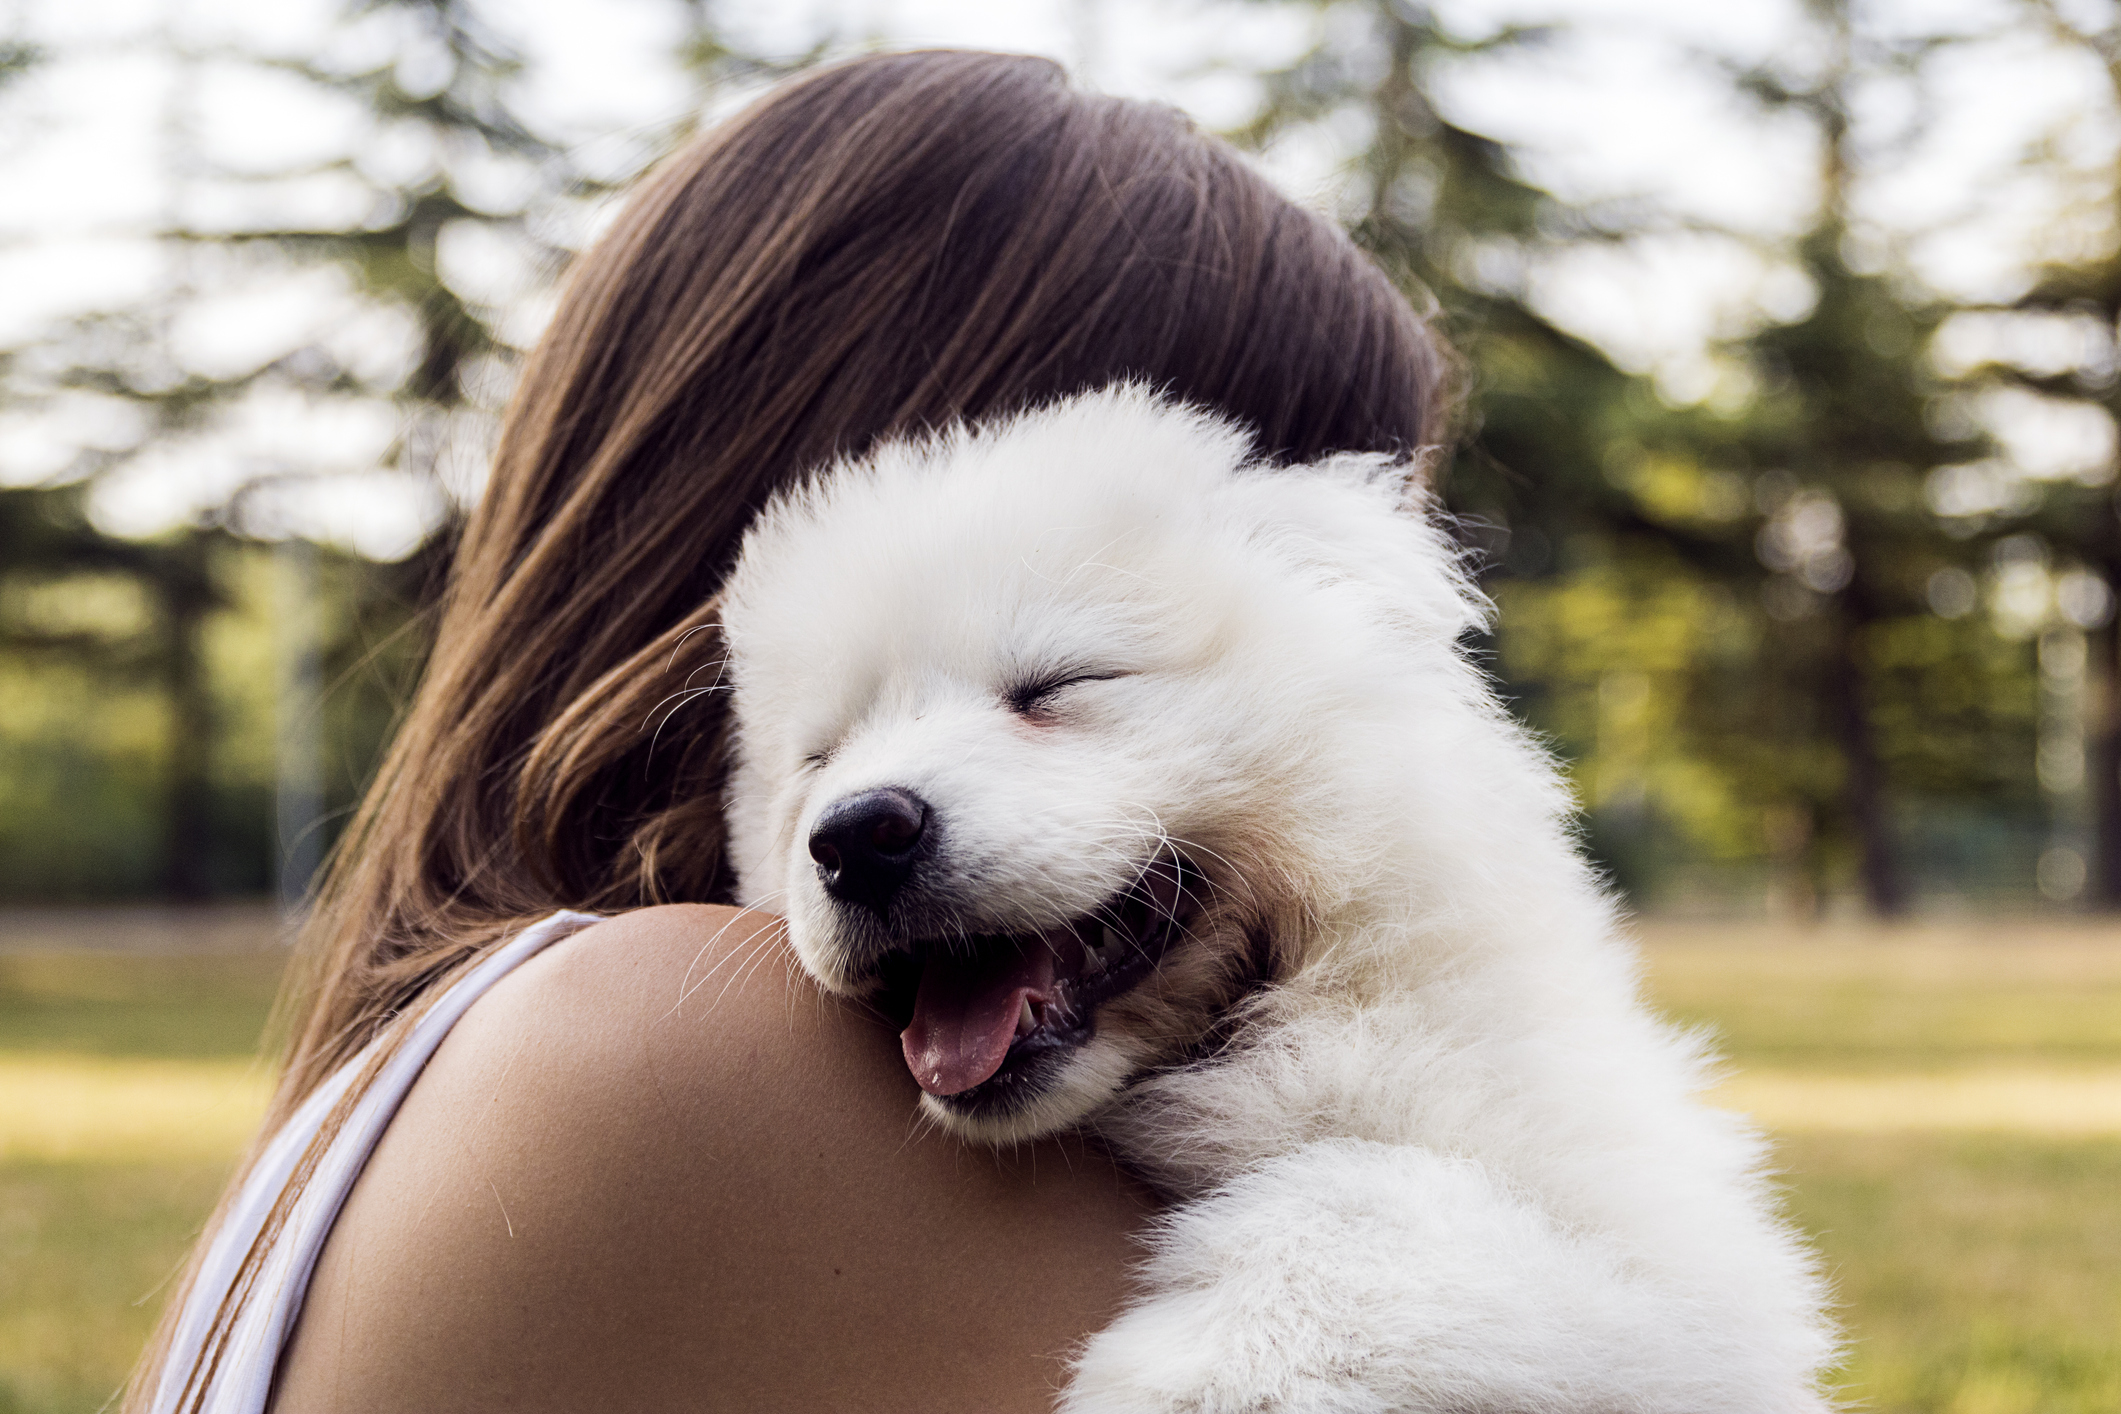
column 1445, row 1161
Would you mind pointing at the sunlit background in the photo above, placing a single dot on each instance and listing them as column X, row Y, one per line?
column 1789, row 456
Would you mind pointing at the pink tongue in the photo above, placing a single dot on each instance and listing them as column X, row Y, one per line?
column 965, row 1015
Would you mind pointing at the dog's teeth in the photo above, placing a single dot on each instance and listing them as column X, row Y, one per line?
column 1026, row 1023
column 1113, row 939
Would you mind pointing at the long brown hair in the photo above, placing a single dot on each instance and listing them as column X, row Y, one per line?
column 882, row 246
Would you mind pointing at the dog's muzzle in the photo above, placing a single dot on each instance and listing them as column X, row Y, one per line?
column 989, row 1018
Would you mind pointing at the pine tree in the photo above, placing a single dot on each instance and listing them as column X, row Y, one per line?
column 1844, row 415
column 2082, row 517
column 1562, row 477
column 451, row 184
column 1716, row 580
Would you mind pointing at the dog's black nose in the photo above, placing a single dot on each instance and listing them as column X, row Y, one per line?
column 864, row 845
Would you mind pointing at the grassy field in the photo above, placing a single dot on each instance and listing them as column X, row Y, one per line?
column 127, row 1086
column 1947, row 1104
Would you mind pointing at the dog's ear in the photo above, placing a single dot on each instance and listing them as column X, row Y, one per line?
column 1368, row 525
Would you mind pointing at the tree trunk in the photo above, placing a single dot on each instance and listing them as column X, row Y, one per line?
column 186, row 595
column 1863, row 789
column 2102, row 730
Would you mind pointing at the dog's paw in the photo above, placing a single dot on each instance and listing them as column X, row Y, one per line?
column 1348, row 1277
column 1198, row 1352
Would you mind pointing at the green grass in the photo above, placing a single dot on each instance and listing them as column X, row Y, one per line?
column 1976, row 1276
column 84, row 1249
column 1979, row 1273
column 1852, row 1001
column 154, row 1005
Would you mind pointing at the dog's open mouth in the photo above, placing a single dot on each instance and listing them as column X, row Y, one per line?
column 987, row 1017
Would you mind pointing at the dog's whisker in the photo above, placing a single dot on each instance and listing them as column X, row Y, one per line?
column 684, row 694
column 686, row 987
column 685, row 638
column 733, row 958
column 721, row 670
column 760, row 949
column 679, row 700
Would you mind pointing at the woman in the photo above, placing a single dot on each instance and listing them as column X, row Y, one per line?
column 651, row 1167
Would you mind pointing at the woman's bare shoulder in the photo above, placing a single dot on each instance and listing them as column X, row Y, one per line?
column 656, row 1166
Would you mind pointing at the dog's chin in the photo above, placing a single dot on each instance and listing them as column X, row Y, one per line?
column 1059, row 1092
column 1015, row 1035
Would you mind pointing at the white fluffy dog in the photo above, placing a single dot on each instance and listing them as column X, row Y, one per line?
column 1151, row 791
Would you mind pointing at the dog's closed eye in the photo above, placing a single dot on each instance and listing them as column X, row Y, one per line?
column 1037, row 694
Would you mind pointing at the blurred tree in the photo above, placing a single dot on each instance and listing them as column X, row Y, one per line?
column 1601, row 530
column 50, row 554
column 432, row 90
column 1843, row 418
column 1698, row 603
column 441, row 214
column 1722, row 613
column 16, row 58
column 1446, row 213
column 46, row 541
column 2081, row 515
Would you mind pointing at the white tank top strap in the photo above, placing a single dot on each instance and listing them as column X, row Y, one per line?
column 242, row 1381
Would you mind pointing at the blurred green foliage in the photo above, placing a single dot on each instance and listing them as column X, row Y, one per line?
column 94, row 755
column 1789, row 640
column 1726, row 616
